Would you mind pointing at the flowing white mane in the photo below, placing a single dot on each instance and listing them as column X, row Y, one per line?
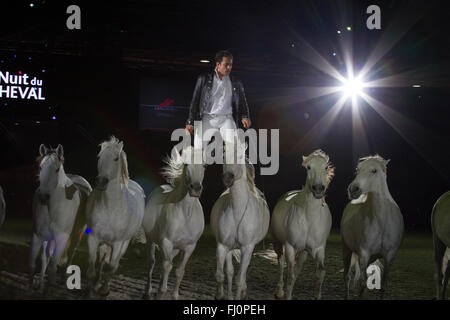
column 174, row 168
column 118, row 145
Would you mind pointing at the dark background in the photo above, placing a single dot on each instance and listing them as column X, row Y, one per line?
column 93, row 77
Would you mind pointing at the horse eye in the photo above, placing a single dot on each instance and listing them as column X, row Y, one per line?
column 57, row 170
column 374, row 171
column 116, row 159
column 308, row 167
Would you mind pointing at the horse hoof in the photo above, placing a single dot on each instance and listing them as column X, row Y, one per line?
column 104, row 291
column 161, row 296
column 219, row 297
column 147, row 296
column 279, row 295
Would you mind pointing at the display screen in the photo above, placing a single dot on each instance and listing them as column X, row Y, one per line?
column 164, row 104
column 21, row 86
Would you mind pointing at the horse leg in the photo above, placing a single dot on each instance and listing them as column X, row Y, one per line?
column 439, row 252
column 187, row 252
column 388, row 260
column 93, row 243
column 74, row 250
column 60, row 243
column 102, row 255
column 320, row 271
column 445, row 282
column 221, row 254
column 290, row 257
column 230, row 272
column 44, row 263
column 148, row 288
column 36, row 245
column 246, row 255
column 167, row 248
column 363, row 262
column 347, row 257
column 299, row 261
column 118, row 250
column 281, row 261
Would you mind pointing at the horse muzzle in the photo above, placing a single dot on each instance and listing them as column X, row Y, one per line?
column 43, row 197
column 228, row 179
column 195, row 190
column 318, row 191
column 101, row 183
column 354, row 192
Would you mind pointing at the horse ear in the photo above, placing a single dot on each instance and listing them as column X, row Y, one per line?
column 42, row 150
column 60, row 151
column 121, row 146
column 387, row 161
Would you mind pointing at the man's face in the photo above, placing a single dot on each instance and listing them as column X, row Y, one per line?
column 225, row 66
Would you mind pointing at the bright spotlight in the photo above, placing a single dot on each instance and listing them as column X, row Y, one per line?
column 352, row 87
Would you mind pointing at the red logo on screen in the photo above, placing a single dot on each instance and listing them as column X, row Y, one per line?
column 166, row 103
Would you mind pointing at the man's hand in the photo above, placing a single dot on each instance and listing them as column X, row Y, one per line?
column 189, row 129
column 246, row 123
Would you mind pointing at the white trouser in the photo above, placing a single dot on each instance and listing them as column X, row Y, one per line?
column 224, row 124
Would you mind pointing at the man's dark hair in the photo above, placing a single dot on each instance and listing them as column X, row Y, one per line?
column 223, row 53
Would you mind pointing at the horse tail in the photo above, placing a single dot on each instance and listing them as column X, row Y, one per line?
column 236, row 255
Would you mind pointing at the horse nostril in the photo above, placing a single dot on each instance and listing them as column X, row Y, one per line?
column 354, row 189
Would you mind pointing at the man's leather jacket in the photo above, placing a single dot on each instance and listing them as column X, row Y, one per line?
column 202, row 96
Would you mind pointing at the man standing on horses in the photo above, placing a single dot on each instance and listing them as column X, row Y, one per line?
column 218, row 102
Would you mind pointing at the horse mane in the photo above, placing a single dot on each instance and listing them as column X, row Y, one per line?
column 376, row 157
column 125, row 174
column 250, row 169
column 330, row 166
column 115, row 143
column 173, row 170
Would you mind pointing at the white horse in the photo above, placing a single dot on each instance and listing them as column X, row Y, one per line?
column 239, row 220
column 58, row 213
column 173, row 218
column 301, row 224
column 2, row 207
column 440, row 224
column 115, row 210
column 372, row 225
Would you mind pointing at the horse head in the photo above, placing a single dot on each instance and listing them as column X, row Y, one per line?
column 234, row 167
column 50, row 163
column 111, row 164
column 370, row 175
column 193, row 170
column 319, row 172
